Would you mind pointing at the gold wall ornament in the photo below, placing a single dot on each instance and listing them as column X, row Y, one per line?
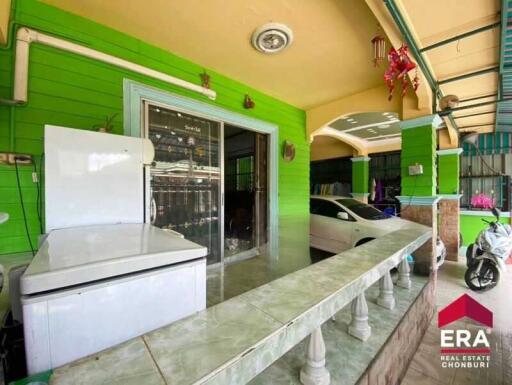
column 288, row 151
column 205, row 80
column 248, row 102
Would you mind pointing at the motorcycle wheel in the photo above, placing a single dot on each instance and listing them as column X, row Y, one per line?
column 469, row 254
column 488, row 277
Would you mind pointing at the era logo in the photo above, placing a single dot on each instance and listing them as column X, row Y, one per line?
column 462, row 338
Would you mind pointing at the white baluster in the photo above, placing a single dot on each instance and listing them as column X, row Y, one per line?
column 314, row 371
column 404, row 279
column 386, row 298
column 359, row 326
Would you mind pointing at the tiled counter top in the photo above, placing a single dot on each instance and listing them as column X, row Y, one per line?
column 234, row 341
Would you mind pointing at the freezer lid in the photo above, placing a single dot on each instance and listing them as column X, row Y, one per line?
column 84, row 254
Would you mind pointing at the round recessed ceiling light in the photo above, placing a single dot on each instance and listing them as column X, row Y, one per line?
column 272, row 38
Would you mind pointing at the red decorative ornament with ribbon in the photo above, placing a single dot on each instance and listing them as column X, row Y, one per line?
column 400, row 64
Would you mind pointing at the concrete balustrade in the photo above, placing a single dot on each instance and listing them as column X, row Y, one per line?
column 359, row 326
column 386, row 298
column 236, row 340
column 404, row 272
column 314, row 371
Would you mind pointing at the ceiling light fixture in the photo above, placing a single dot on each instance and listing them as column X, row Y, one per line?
column 272, row 38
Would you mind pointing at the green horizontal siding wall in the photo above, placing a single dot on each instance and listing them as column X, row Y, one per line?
column 419, row 146
column 70, row 90
column 360, row 176
column 471, row 225
column 448, row 170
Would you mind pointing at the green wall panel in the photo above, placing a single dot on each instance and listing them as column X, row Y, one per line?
column 471, row 225
column 419, row 147
column 360, row 176
column 448, row 171
column 69, row 90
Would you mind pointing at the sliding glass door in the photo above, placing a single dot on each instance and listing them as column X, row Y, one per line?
column 185, row 178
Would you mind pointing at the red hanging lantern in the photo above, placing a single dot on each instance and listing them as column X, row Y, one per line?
column 379, row 50
column 399, row 66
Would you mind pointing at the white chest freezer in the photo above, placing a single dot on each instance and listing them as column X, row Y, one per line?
column 92, row 287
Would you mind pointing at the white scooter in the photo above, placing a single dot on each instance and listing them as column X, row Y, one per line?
column 486, row 257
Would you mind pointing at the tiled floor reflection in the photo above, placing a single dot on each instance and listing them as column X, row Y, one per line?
column 239, row 277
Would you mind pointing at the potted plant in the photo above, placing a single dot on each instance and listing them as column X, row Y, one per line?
column 108, row 125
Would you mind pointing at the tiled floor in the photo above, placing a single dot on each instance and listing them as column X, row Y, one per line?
column 426, row 367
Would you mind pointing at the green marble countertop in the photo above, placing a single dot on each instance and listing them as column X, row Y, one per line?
column 347, row 358
column 234, row 341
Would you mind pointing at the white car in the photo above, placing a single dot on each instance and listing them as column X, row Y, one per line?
column 339, row 223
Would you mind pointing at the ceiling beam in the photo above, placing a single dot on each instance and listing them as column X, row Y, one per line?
column 461, row 36
column 476, row 125
column 448, row 111
column 493, row 95
column 477, row 114
column 469, row 75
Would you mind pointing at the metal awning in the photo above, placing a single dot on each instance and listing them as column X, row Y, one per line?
column 504, row 110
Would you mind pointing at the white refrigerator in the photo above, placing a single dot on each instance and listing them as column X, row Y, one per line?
column 102, row 275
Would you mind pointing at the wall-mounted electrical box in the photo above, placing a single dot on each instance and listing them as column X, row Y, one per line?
column 13, row 157
column 416, row 169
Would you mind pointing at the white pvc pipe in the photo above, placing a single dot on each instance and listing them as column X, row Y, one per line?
column 26, row 36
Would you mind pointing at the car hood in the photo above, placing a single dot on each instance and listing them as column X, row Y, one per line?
column 395, row 223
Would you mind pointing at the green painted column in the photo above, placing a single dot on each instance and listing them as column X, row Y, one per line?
column 448, row 163
column 418, row 197
column 419, row 148
column 360, row 177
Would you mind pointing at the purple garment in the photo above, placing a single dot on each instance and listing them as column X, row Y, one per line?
column 379, row 194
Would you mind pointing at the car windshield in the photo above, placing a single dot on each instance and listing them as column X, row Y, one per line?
column 362, row 209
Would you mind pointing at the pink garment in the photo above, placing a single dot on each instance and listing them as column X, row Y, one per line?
column 482, row 201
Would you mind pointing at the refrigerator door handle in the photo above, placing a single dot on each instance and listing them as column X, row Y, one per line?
column 152, row 214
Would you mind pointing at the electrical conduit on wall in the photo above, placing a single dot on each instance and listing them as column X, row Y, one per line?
column 26, row 36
